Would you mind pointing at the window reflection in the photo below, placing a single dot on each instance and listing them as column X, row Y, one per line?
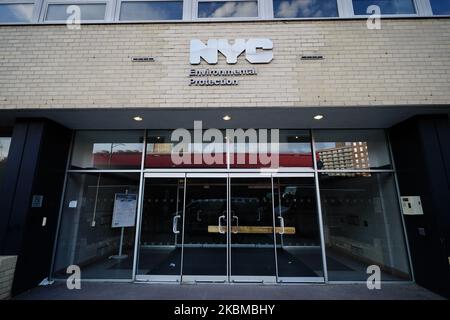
column 159, row 151
column 294, row 151
column 163, row 202
column 88, row 237
column 386, row 6
column 88, row 12
column 363, row 227
column 16, row 12
column 351, row 149
column 299, row 251
column 304, row 8
column 107, row 150
column 151, row 10
column 227, row 9
column 440, row 7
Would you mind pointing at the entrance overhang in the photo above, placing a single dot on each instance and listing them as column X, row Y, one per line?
column 256, row 117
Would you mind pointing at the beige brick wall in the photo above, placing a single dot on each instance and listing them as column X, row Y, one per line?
column 7, row 267
column 406, row 62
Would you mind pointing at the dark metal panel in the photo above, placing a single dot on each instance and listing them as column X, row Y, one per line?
column 421, row 172
column 24, row 185
column 38, row 239
column 36, row 166
column 8, row 187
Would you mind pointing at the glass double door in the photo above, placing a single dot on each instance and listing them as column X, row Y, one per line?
column 229, row 227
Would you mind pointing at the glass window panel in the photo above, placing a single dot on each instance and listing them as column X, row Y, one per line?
column 16, row 12
column 299, row 251
column 295, row 149
column 386, row 6
column 440, row 7
column 339, row 149
column 304, row 8
column 160, row 146
column 5, row 142
column 151, row 10
column 88, row 237
column 205, row 251
column 107, row 150
column 362, row 226
column 252, row 253
column 227, row 9
column 160, row 247
column 89, row 12
column 159, row 149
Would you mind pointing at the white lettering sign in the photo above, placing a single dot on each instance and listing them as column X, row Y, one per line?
column 256, row 50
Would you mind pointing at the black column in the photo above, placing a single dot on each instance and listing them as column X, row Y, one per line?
column 34, row 171
column 421, row 148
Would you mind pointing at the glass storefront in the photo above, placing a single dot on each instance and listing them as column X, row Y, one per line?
column 363, row 226
column 89, row 235
column 294, row 150
column 307, row 221
column 352, row 150
column 107, row 150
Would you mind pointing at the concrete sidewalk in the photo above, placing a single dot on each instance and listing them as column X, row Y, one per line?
column 143, row 291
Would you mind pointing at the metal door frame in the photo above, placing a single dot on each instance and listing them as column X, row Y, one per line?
column 228, row 175
column 250, row 278
column 300, row 279
column 186, row 278
column 158, row 278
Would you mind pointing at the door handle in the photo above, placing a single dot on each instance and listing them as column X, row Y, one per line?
column 237, row 224
column 220, row 224
column 175, row 223
column 281, row 224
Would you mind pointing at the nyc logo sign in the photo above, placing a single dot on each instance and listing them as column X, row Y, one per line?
column 256, row 50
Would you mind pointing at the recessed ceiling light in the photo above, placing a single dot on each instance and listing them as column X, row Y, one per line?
column 318, row 117
column 226, row 118
column 137, row 118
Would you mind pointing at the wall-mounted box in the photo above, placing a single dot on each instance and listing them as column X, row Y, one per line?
column 412, row 205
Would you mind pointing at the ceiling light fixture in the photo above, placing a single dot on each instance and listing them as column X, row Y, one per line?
column 226, row 118
column 318, row 117
column 137, row 118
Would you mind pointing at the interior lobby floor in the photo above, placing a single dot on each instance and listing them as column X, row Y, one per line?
column 144, row 291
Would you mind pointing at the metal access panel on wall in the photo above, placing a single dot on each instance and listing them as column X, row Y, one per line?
column 412, row 205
